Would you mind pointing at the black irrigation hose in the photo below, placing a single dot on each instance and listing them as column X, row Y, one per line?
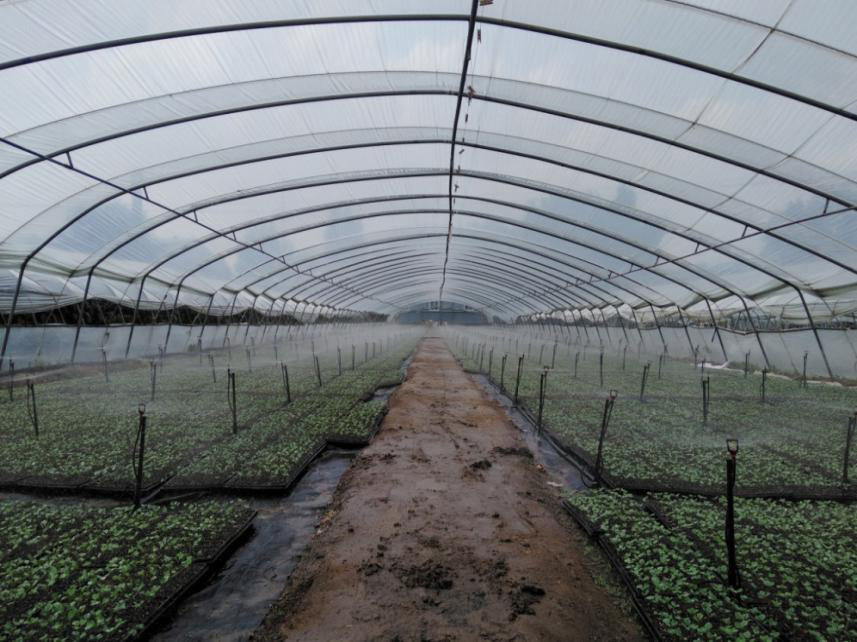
column 646, row 618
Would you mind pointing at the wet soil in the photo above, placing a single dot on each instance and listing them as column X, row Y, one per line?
column 446, row 528
column 235, row 601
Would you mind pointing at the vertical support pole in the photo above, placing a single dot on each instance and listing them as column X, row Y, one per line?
column 849, row 435
column 606, row 326
column 660, row 332
column 803, row 383
column 637, row 325
column 490, row 362
column 518, row 378
column 576, row 360
column 285, row 371
column 643, row 380
column 553, row 358
column 134, row 316
column 213, row 371
column 280, row 320
column 543, row 380
column 339, row 359
column 503, row 372
column 205, row 319
column 104, row 364
column 172, row 314
column 734, row 578
column 80, row 312
column 605, row 421
column 11, row 380
column 756, row 330
column 746, row 363
column 815, row 332
column 583, row 325
column 621, row 321
column 684, row 325
column 229, row 319
column 249, row 359
column 153, row 376
column 706, row 390
column 353, row 364
column 601, row 367
column 716, row 330
column 231, row 397
column 33, row 411
column 318, row 370
column 763, row 391
column 141, row 445
column 624, row 354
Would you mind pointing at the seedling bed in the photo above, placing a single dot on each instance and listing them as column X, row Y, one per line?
column 74, row 572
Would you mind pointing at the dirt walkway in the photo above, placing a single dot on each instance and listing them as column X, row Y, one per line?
column 445, row 529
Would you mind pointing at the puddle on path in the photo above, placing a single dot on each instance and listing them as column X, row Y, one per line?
column 235, row 601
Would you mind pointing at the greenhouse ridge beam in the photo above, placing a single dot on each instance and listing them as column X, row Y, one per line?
column 474, row 7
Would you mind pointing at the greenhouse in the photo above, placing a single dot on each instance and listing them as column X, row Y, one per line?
column 451, row 320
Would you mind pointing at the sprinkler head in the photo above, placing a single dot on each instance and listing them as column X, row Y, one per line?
column 732, row 447
column 613, row 394
column 141, row 408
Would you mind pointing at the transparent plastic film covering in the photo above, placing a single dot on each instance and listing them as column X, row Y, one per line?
column 578, row 161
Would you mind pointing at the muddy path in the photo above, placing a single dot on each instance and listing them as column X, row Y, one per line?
column 445, row 528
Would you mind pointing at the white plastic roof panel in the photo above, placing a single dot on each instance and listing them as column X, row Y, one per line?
column 518, row 157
